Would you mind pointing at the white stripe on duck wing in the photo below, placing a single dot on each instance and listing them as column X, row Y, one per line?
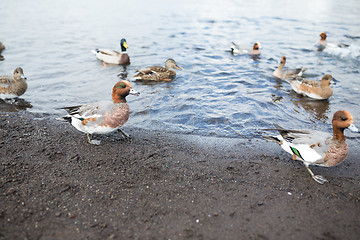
column 316, row 147
column 104, row 116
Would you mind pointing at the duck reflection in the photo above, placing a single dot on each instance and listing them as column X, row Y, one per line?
column 316, row 108
column 14, row 105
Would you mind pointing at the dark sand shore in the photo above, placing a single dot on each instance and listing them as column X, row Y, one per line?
column 54, row 185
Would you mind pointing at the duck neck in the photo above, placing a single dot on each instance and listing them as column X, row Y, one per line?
column 281, row 66
column 339, row 134
column 118, row 98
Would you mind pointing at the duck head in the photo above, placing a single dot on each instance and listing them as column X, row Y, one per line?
column 19, row 74
column 256, row 46
column 323, row 36
column 123, row 45
column 121, row 90
column 282, row 62
column 326, row 80
column 170, row 64
column 342, row 119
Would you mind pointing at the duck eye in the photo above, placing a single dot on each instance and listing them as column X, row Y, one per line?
column 121, row 85
column 343, row 118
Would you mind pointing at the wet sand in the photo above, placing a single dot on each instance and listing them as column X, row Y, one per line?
column 54, row 185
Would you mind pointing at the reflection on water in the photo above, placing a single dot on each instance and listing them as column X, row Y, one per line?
column 14, row 105
column 318, row 109
column 216, row 92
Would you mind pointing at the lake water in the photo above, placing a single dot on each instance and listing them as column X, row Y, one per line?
column 216, row 93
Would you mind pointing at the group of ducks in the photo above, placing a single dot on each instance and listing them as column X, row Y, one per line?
column 309, row 146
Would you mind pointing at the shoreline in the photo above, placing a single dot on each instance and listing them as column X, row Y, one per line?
column 158, row 185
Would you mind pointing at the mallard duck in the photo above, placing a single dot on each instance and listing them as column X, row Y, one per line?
column 316, row 147
column 102, row 117
column 313, row 89
column 13, row 86
column 255, row 50
column 114, row 57
column 287, row 73
column 158, row 73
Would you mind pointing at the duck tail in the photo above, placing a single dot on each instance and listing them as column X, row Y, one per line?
column 64, row 119
column 302, row 70
column 273, row 139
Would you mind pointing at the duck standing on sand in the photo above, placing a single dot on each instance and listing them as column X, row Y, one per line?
column 316, row 147
column 158, row 73
column 114, row 57
column 287, row 73
column 13, row 86
column 255, row 50
column 313, row 89
column 102, row 117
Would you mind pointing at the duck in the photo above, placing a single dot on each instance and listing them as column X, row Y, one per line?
column 255, row 50
column 313, row 89
column 287, row 73
column 323, row 43
column 317, row 147
column 112, row 56
column 2, row 47
column 13, row 86
column 102, row 117
column 158, row 73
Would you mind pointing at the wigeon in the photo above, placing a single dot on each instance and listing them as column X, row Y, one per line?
column 316, row 147
column 322, row 41
column 255, row 50
column 102, row 117
column 13, row 86
column 313, row 89
column 114, row 57
column 287, row 73
column 324, row 44
column 158, row 73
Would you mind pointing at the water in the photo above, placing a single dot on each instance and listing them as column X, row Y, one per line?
column 216, row 93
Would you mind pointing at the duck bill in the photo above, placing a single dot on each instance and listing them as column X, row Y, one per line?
column 125, row 45
column 353, row 128
column 23, row 76
column 177, row 67
column 133, row 92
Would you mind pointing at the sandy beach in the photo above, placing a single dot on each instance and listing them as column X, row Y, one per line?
column 158, row 185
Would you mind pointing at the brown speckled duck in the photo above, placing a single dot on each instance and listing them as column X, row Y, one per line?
column 313, row 89
column 13, row 86
column 158, row 73
column 316, row 147
column 102, row 117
